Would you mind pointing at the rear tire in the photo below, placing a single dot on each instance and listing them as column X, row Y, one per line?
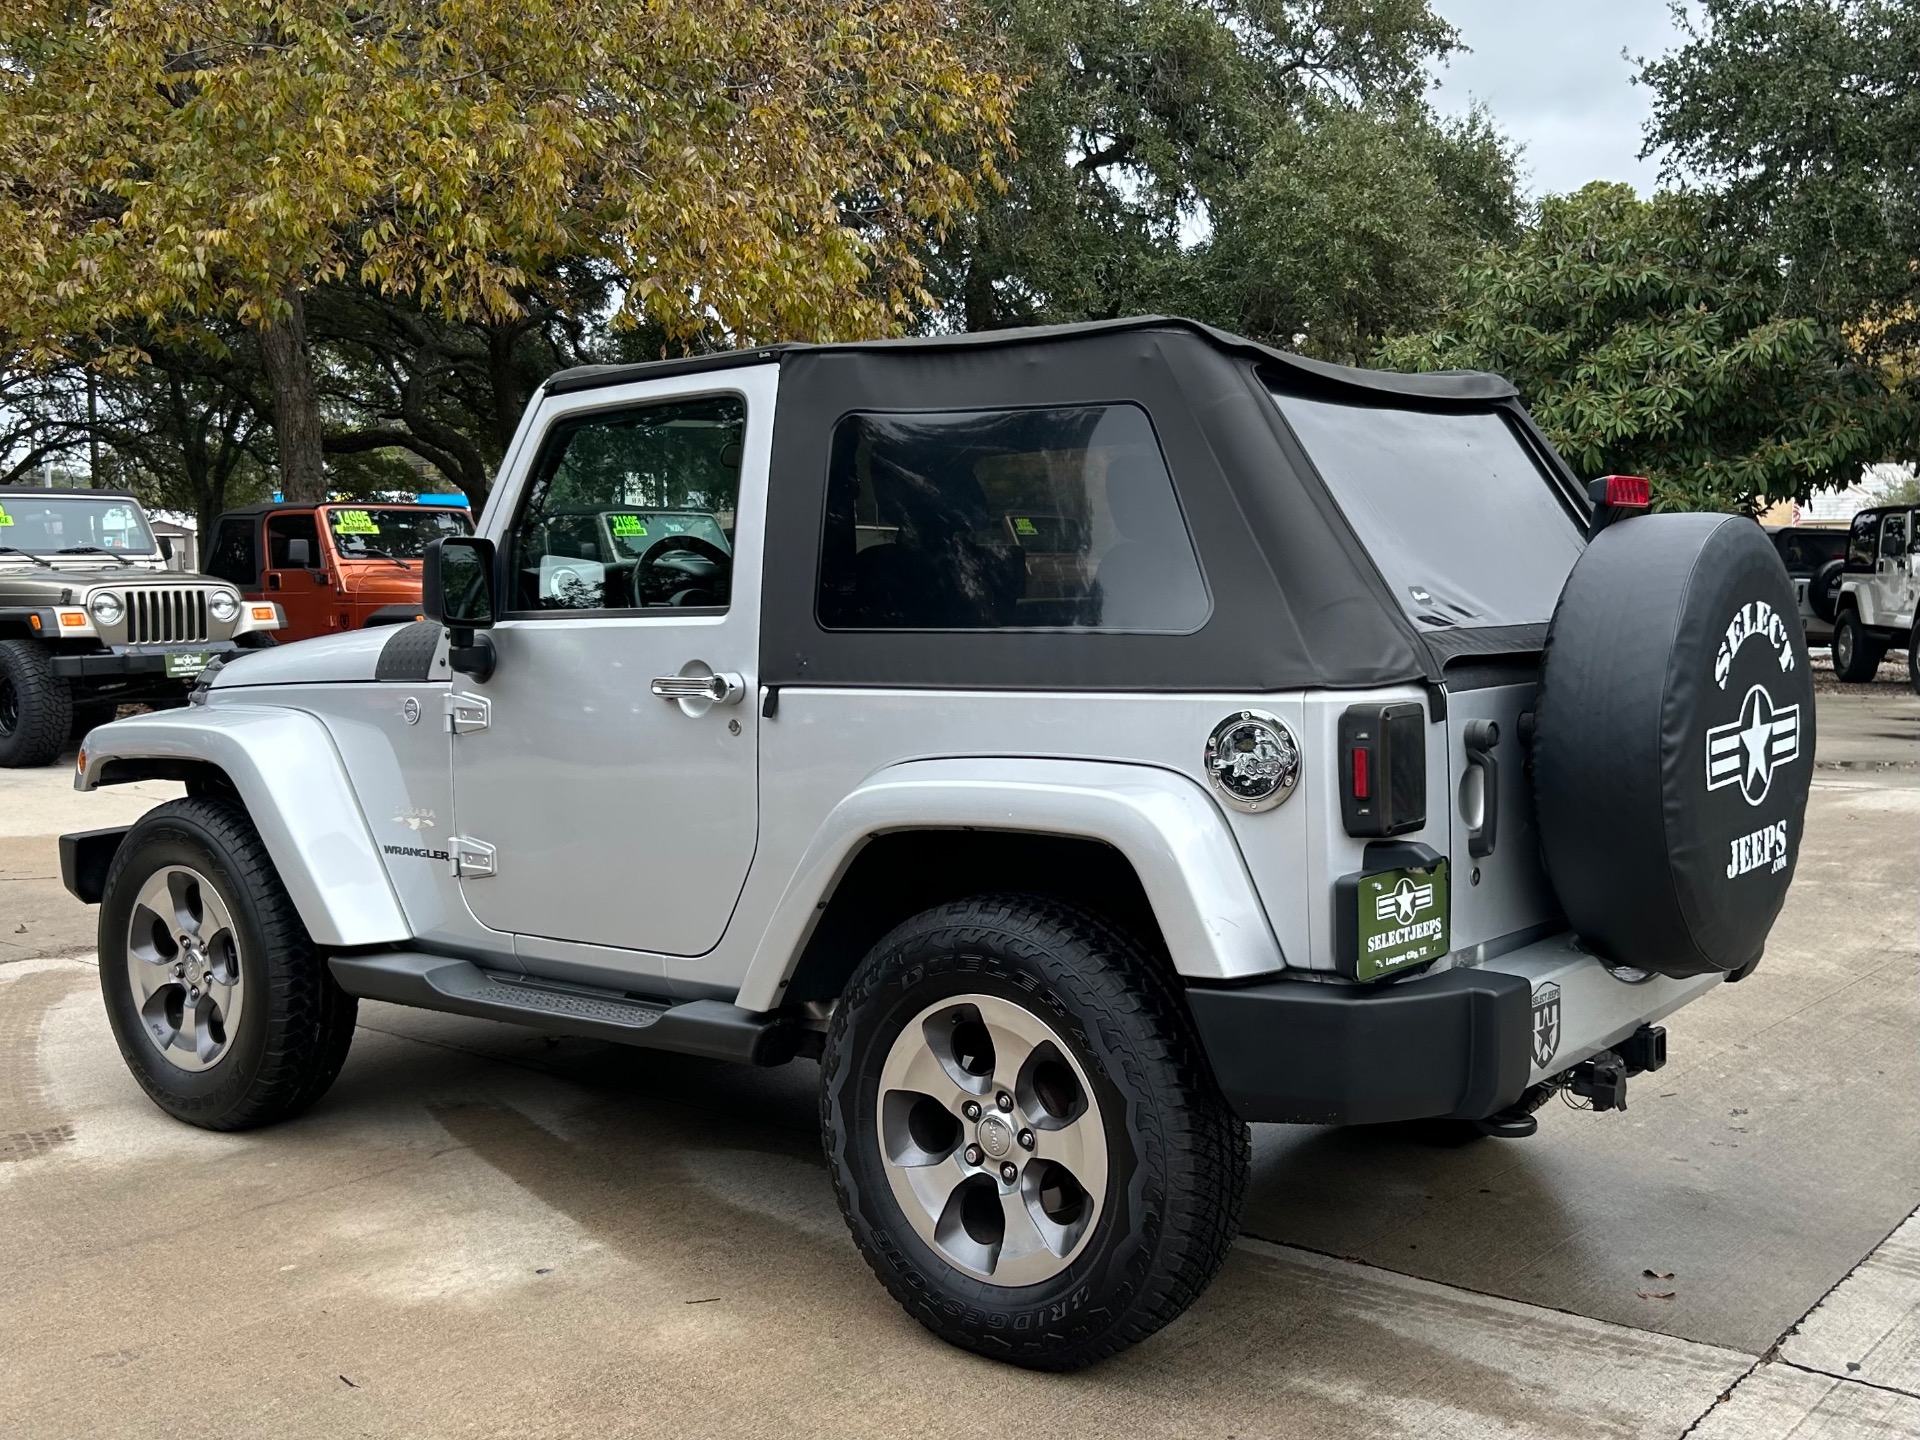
column 1856, row 657
column 193, row 896
column 36, row 706
column 1105, row 1082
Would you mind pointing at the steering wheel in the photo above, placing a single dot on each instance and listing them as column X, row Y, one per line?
column 685, row 567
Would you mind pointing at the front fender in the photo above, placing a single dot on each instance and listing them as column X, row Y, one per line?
column 291, row 779
column 1165, row 825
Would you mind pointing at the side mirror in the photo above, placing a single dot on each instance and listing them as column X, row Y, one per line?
column 456, row 585
column 299, row 553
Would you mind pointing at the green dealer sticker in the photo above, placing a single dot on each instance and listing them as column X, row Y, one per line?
column 627, row 525
column 5, row 518
column 1403, row 920
column 354, row 522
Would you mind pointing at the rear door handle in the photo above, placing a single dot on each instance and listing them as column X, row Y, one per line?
column 1481, row 737
column 722, row 689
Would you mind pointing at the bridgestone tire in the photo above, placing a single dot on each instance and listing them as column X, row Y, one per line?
column 1823, row 590
column 36, row 706
column 1856, row 655
column 1178, row 1156
column 1674, row 741
column 297, row 1023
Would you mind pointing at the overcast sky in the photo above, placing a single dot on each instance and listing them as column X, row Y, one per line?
column 1552, row 74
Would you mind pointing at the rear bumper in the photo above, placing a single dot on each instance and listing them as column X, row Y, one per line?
column 1456, row 1044
column 1463, row 1044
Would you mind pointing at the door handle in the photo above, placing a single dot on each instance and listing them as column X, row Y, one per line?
column 722, row 689
column 1481, row 737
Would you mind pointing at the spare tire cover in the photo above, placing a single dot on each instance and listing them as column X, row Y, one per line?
column 1673, row 743
column 1823, row 590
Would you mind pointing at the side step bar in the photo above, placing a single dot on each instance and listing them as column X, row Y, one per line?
column 711, row 1028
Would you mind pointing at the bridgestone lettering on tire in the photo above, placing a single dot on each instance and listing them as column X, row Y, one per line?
column 292, row 1022
column 1674, row 743
column 36, row 706
column 1094, row 1024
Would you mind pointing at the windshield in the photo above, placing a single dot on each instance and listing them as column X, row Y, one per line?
column 1462, row 522
column 634, row 530
column 48, row 524
column 381, row 532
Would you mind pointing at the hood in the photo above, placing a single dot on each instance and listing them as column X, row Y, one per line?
column 26, row 583
column 324, row 660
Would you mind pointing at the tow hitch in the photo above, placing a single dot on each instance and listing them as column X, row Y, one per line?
column 1601, row 1081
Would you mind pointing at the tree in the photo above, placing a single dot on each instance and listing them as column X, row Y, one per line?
column 1646, row 343
column 1805, row 118
column 1268, row 164
column 742, row 170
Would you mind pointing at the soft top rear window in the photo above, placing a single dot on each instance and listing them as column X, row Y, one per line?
column 1462, row 521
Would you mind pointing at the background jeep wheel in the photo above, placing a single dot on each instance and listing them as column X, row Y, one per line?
column 1823, row 590
column 36, row 707
column 1024, row 1135
column 223, row 1008
column 1913, row 660
column 1856, row 658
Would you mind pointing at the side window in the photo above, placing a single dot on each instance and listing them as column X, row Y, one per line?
column 1860, row 542
column 282, row 530
column 632, row 509
column 233, row 556
column 1055, row 519
column 1893, row 536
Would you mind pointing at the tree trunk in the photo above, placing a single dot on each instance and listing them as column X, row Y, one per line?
column 296, row 405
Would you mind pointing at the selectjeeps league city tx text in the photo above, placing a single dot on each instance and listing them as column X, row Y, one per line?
column 1083, row 742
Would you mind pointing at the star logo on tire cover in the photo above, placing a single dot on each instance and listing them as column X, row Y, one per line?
column 1746, row 752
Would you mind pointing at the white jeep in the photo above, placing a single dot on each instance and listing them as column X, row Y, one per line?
column 1879, row 586
column 1082, row 742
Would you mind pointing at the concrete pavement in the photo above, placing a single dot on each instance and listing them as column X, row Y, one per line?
column 482, row 1231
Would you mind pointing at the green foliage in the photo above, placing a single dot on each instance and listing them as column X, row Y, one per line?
column 1645, row 343
column 1270, row 165
column 1805, row 118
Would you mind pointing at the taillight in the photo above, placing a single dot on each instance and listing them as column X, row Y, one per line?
column 1383, row 750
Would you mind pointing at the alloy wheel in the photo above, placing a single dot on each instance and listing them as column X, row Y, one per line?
column 993, row 1140
column 183, row 962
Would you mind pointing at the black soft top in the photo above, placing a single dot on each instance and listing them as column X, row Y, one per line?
column 1468, row 385
column 1296, row 600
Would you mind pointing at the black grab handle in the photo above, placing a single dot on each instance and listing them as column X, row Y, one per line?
column 1481, row 737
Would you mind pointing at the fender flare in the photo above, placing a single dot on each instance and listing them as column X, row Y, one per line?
column 290, row 777
column 1166, row 826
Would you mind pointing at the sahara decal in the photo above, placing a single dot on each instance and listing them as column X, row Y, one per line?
column 415, row 820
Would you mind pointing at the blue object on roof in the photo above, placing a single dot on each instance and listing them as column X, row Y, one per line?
column 454, row 499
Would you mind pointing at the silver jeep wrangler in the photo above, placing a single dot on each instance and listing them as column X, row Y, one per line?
column 1082, row 742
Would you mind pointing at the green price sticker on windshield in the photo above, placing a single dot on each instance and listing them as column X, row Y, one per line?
column 627, row 525
column 1024, row 526
column 5, row 518
column 354, row 522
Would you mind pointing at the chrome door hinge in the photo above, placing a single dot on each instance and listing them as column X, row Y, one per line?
column 468, row 712
column 472, row 859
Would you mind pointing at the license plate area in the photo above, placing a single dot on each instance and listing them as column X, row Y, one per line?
column 183, row 664
column 1393, row 917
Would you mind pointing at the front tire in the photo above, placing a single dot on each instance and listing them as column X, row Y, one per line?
column 222, row 1005
column 1025, row 1137
column 36, row 706
column 1856, row 658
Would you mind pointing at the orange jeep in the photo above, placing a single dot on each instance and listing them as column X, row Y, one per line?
column 331, row 567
